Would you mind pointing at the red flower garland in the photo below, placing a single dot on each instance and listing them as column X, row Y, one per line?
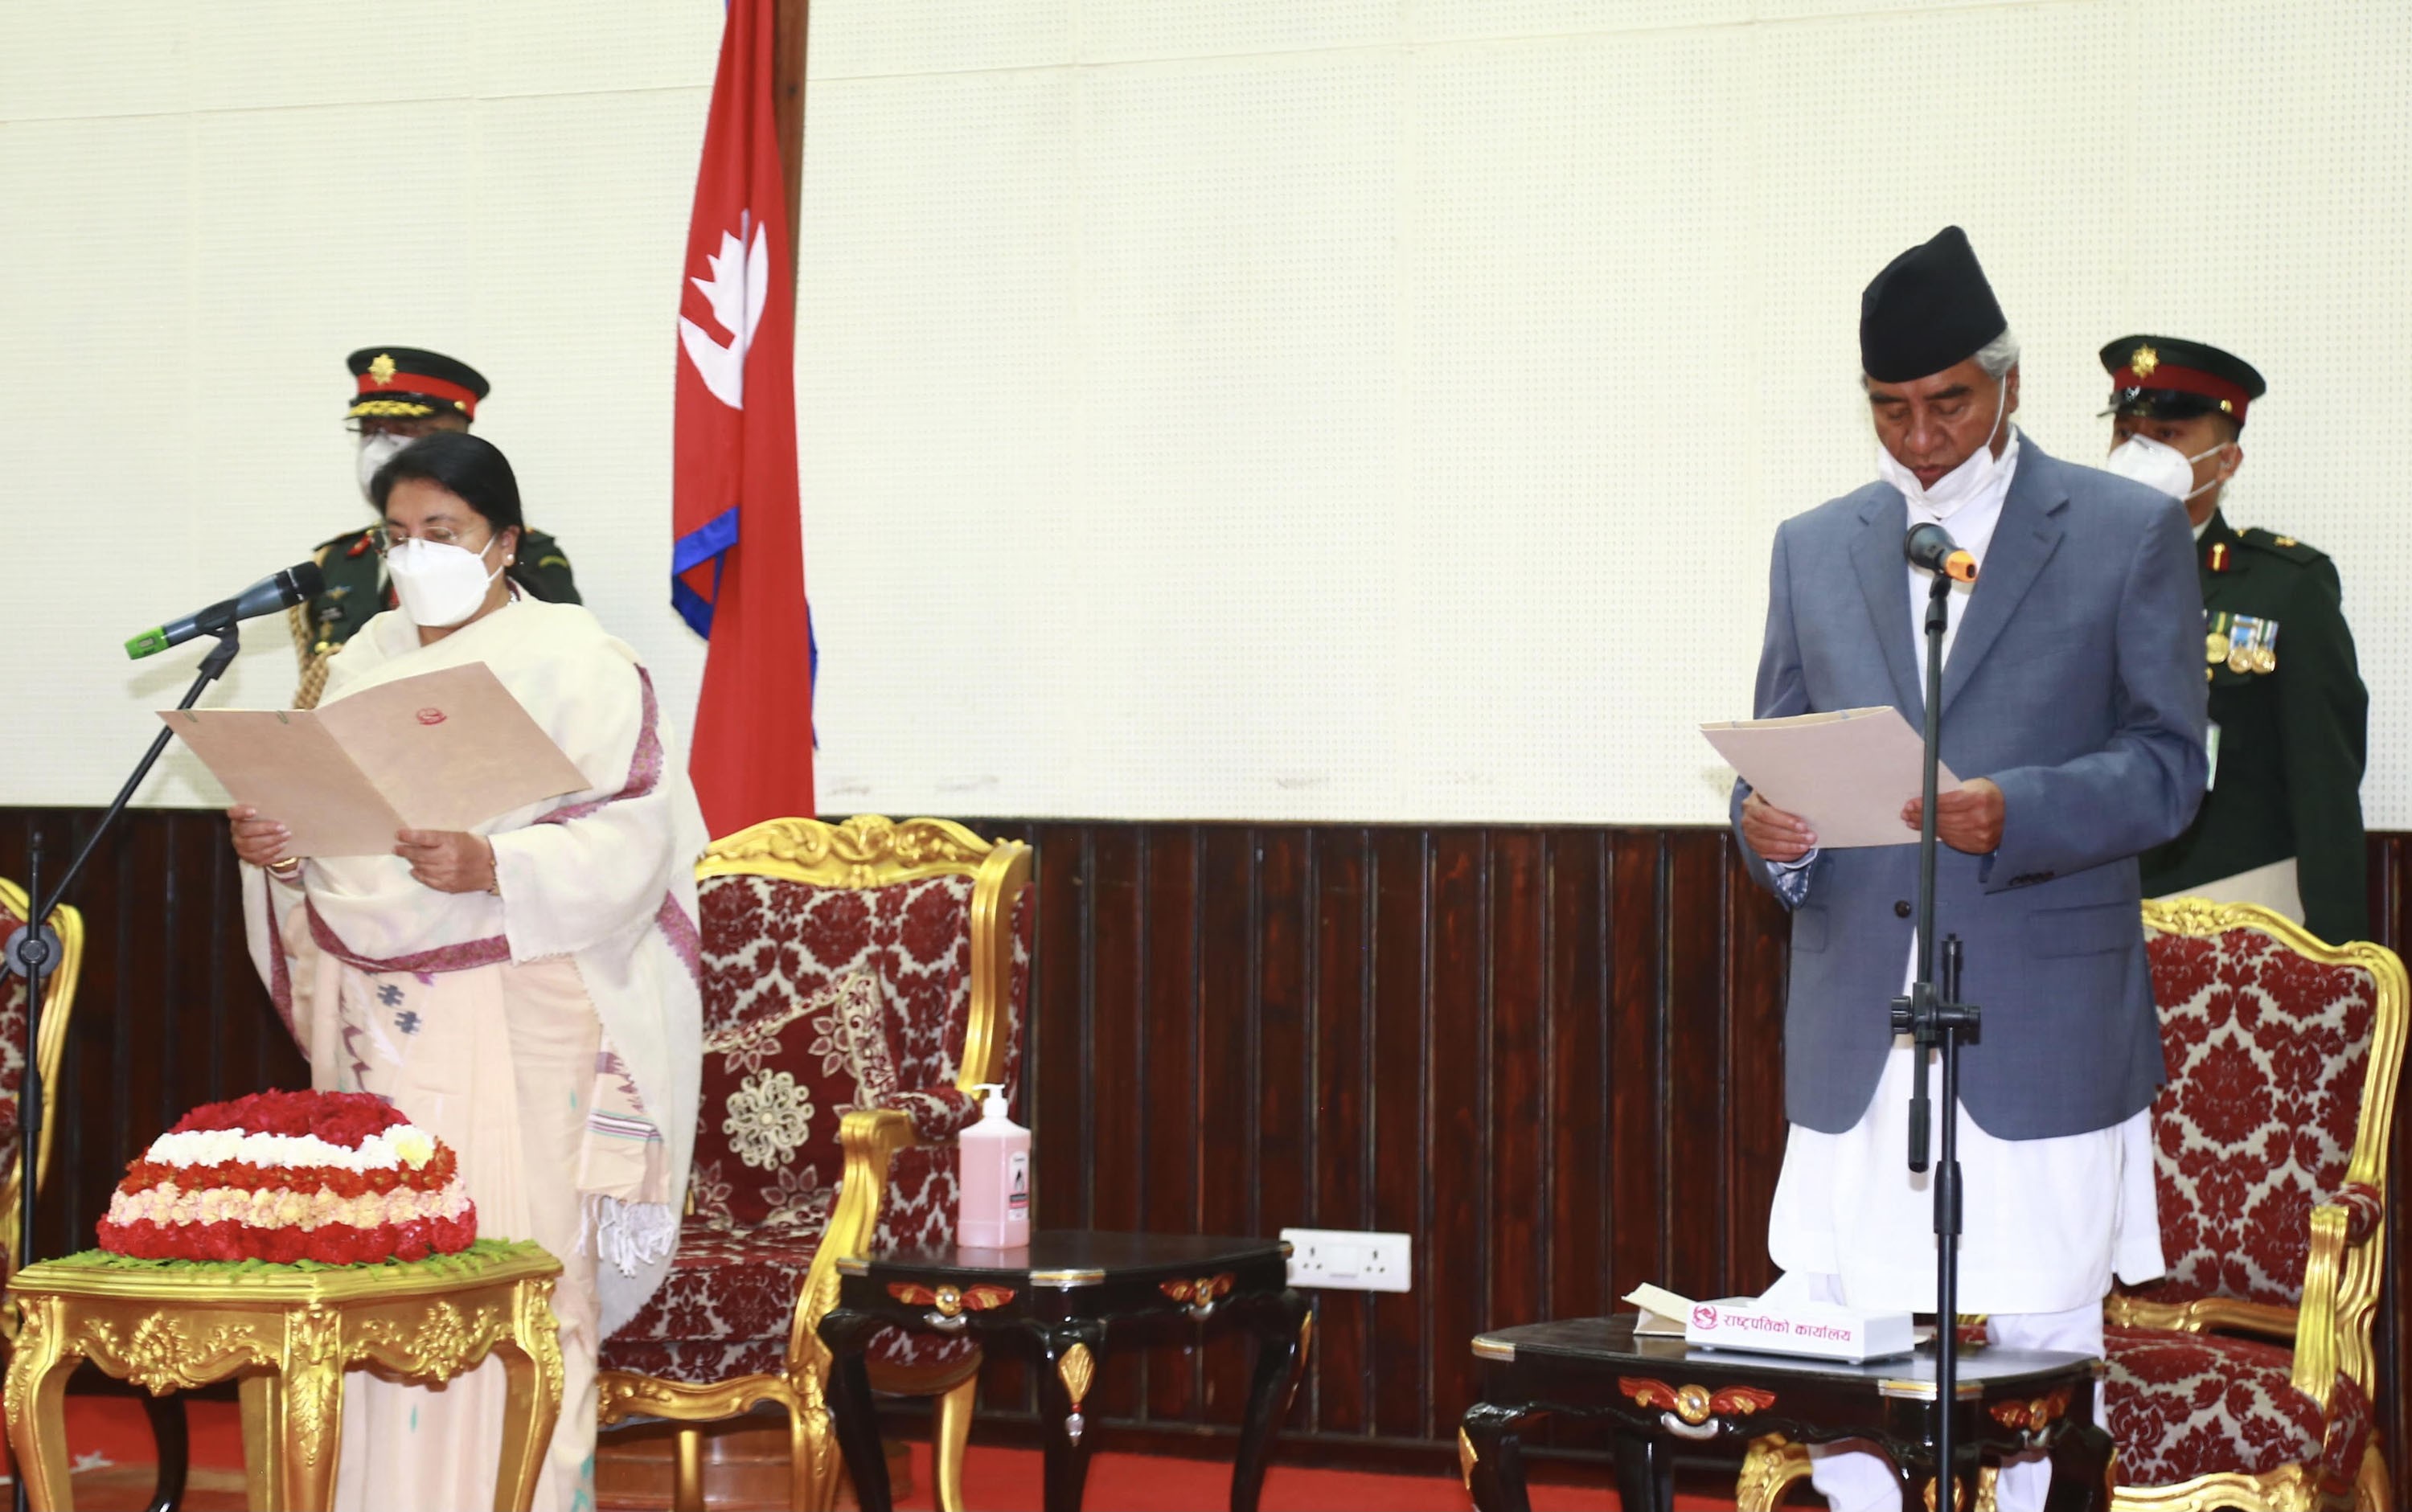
column 343, row 1119
column 142, row 1175
column 328, row 1243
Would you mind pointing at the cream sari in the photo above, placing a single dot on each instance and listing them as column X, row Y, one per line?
column 551, row 1035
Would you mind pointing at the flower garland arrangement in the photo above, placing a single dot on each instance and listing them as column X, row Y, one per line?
column 334, row 1178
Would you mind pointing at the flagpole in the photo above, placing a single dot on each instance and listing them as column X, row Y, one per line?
column 791, row 24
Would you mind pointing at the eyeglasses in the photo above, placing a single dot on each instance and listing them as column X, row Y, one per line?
column 388, row 537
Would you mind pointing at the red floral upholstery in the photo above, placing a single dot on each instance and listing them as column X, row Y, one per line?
column 12, row 1036
column 2184, row 1405
column 12, row 1051
column 817, row 1001
column 2267, row 1052
column 729, row 1293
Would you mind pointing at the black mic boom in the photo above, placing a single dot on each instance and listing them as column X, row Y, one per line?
column 278, row 589
column 1931, row 546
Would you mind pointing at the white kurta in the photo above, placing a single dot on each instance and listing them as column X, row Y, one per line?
column 2045, row 1222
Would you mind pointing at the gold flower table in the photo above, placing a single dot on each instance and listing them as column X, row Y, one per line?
column 290, row 1331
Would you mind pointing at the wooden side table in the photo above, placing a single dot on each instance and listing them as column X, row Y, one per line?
column 1657, row 1395
column 290, row 1334
column 1066, row 1298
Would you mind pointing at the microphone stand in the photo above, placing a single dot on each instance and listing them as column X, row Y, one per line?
column 33, row 950
column 1934, row 1021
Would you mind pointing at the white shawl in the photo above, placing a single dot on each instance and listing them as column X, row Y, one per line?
column 605, row 876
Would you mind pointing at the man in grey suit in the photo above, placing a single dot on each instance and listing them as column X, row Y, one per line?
column 2073, row 708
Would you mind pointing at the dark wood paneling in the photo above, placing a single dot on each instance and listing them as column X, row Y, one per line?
column 1338, row 1397
column 1553, row 1057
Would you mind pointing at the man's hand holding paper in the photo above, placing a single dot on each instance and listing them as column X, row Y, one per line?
column 1967, row 818
column 1782, row 838
column 1839, row 779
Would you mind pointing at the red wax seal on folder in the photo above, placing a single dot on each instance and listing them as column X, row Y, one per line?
column 431, row 716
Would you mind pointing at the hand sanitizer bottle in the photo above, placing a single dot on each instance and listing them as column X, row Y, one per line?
column 995, row 1175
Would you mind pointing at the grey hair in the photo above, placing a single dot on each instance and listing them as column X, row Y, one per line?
column 1998, row 356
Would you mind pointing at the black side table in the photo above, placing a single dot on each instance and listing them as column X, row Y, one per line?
column 1064, row 1298
column 1657, row 1395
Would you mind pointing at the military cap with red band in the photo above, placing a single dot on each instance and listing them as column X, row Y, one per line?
column 405, row 383
column 2167, row 377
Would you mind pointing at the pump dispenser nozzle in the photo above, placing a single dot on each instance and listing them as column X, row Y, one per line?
column 992, row 1104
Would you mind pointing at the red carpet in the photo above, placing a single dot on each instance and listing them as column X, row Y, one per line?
column 111, row 1441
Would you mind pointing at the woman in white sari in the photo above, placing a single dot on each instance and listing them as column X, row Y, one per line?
column 525, row 991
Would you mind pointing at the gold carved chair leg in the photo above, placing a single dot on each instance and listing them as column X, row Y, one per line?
column 821, row 1473
column 2374, row 1489
column 686, row 1491
column 801, row 1479
column 950, row 1434
column 1773, row 1463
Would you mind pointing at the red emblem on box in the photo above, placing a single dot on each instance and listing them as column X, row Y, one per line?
column 1705, row 1316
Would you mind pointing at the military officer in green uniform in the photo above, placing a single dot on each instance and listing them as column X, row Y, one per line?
column 399, row 393
column 2282, row 822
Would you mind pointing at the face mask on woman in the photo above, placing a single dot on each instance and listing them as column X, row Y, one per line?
column 2157, row 466
column 440, row 585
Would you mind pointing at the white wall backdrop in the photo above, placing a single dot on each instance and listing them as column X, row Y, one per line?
column 1346, row 409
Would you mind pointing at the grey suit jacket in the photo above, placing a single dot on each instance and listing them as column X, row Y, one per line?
column 2076, row 684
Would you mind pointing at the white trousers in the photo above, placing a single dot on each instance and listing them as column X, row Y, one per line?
column 1857, row 1480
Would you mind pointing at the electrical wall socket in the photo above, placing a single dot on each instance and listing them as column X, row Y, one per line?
column 1348, row 1260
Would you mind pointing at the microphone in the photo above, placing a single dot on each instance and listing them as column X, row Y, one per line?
column 278, row 589
column 1931, row 546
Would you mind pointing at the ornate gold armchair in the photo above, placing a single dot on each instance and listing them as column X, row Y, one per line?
column 858, row 980
column 2270, row 1144
column 14, row 905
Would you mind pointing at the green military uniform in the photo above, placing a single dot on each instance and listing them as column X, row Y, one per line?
column 2288, row 711
column 397, row 387
column 2292, row 717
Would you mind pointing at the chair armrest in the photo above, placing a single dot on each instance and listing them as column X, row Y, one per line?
column 938, row 1113
column 2365, row 1209
column 2316, row 1352
column 869, row 1137
column 2202, row 1314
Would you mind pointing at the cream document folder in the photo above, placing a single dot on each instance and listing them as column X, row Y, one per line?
column 443, row 750
column 1848, row 772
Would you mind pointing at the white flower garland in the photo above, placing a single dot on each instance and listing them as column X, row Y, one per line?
column 392, row 1149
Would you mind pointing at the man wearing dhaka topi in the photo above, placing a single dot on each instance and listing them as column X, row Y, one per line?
column 2073, row 710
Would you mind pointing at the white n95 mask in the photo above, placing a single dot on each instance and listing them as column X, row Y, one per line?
column 440, row 585
column 2157, row 466
column 375, row 451
column 1962, row 484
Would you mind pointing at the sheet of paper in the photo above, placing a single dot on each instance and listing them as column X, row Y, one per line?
column 443, row 750
column 1663, row 1312
column 1847, row 771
